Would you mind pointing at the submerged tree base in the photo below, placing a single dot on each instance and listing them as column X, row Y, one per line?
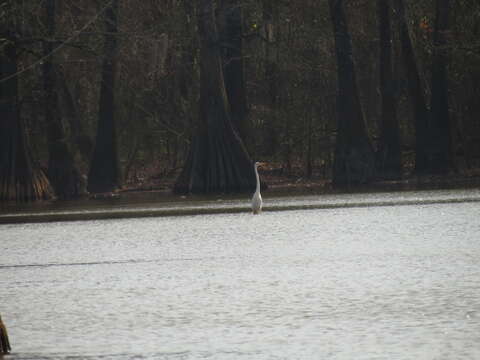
column 221, row 167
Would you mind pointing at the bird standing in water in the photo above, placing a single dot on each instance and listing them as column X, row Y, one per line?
column 4, row 343
column 257, row 197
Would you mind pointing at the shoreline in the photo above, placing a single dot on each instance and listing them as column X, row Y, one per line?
column 135, row 203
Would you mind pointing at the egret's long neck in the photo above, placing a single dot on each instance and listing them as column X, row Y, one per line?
column 258, row 179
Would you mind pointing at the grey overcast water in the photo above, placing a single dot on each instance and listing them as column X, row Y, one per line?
column 371, row 282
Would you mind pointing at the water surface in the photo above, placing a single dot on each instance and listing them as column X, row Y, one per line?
column 370, row 282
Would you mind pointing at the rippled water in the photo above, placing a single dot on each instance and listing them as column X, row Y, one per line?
column 378, row 282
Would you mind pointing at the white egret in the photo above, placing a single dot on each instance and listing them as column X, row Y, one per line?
column 257, row 197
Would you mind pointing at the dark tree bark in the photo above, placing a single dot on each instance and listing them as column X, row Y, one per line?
column 104, row 175
column 354, row 157
column 472, row 145
column 417, row 94
column 80, row 138
column 62, row 173
column 218, row 161
column 271, row 137
column 20, row 178
column 231, row 32
column 440, row 159
column 4, row 341
column 389, row 152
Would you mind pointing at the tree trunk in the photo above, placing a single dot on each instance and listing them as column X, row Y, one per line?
column 231, row 31
column 69, row 111
column 354, row 158
column 440, row 159
column 20, row 178
column 62, row 172
column 472, row 145
column 104, row 173
column 271, row 137
column 389, row 152
column 417, row 94
column 218, row 161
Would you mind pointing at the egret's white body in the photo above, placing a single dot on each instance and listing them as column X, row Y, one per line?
column 257, row 197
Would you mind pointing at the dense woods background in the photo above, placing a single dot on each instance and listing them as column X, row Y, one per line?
column 102, row 94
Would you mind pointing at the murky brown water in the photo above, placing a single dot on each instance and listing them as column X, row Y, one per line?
column 369, row 282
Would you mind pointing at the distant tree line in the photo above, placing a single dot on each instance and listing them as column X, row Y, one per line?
column 96, row 94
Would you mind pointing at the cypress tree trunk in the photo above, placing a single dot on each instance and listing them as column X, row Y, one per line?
column 472, row 147
column 271, row 137
column 218, row 160
column 389, row 152
column 231, row 31
column 79, row 136
column 20, row 178
column 417, row 94
column 62, row 172
column 440, row 148
column 104, row 175
column 354, row 158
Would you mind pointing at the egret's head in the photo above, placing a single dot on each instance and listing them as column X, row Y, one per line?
column 259, row 164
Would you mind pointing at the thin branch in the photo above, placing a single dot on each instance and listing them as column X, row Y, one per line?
column 63, row 44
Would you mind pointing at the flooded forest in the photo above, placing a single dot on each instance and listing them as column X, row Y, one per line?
column 103, row 95
column 137, row 138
